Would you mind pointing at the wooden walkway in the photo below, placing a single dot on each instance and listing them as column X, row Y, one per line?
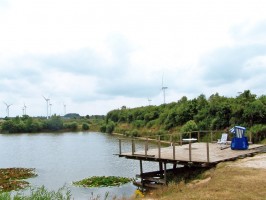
column 198, row 153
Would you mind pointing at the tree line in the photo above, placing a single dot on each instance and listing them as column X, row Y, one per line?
column 214, row 113
column 27, row 124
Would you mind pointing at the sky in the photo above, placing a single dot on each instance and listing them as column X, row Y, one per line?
column 94, row 56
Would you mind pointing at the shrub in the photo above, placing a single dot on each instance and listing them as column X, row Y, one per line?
column 139, row 123
column 103, row 128
column 85, row 126
column 189, row 126
column 110, row 127
column 135, row 133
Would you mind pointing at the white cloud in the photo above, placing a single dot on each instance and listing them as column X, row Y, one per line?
column 97, row 55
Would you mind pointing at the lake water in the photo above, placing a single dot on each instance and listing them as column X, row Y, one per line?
column 62, row 158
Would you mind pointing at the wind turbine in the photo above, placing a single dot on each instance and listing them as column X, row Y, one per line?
column 163, row 89
column 149, row 100
column 47, row 104
column 7, row 108
column 64, row 109
column 25, row 109
column 50, row 109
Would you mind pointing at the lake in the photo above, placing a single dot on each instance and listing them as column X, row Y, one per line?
column 61, row 158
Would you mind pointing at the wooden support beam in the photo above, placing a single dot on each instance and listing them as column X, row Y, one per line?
column 159, row 148
column 198, row 136
column 190, row 151
column 165, row 175
column 133, row 146
column 146, row 147
column 141, row 177
column 208, row 152
column 141, row 168
column 173, row 150
column 120, row 147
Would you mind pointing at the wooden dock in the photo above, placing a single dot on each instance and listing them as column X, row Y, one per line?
column 197, row 154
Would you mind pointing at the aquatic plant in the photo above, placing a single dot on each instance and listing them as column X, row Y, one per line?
column 12, row 178
column 102, row 181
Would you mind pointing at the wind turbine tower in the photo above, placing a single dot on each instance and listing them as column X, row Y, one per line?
column 149, row 100
column 50, row 109
column 25, row 109
column 7, row 109
column 47, row 105
column 64, row 109
column 163, row 89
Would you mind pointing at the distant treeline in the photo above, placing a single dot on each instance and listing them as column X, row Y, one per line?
column 215, row 113
column 72, row 122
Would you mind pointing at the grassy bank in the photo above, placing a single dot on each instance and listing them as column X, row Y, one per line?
column 226, row 181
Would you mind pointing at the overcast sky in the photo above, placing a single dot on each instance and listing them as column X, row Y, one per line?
column 98, row 55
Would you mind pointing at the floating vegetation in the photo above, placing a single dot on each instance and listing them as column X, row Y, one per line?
column 12, row 178
column 102, row 181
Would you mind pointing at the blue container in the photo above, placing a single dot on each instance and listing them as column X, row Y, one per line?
column 239, row 141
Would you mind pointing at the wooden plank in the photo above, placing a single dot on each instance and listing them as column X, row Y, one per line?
column 199, row 153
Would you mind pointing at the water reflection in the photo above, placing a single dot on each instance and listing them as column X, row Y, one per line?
column 62, row 158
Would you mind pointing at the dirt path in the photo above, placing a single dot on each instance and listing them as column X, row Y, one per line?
column 258, row 161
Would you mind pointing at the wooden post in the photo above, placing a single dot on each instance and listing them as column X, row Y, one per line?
column 160, row 166
column 141, row 176
column 146, row 147
column 198, row 136
column 159, row 148
column 190, row 151
column 208, row 152
column 174, row 166
column 211, row 136
column 173, row 150
column 120, row 147
column 141, row 169
column 133, row 147
column 161, row 169
column 165, row 178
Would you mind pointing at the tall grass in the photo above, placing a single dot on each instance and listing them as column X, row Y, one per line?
column 40, row 193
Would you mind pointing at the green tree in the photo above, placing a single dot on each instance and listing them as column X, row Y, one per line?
column 55, row 123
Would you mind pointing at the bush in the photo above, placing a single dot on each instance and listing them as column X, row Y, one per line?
column 135, row 133
column 110, row 127
column 85, row 126
column 139, row 123
column 54, row 123
column 189, row 126
column 103, row 128
column 258, row 132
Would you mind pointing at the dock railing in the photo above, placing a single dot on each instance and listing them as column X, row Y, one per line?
column 173, row 140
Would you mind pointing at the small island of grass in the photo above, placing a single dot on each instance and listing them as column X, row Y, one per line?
column 102, row 181
column 13, row 178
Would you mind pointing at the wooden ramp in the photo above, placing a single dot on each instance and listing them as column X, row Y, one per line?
column 198, row 153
